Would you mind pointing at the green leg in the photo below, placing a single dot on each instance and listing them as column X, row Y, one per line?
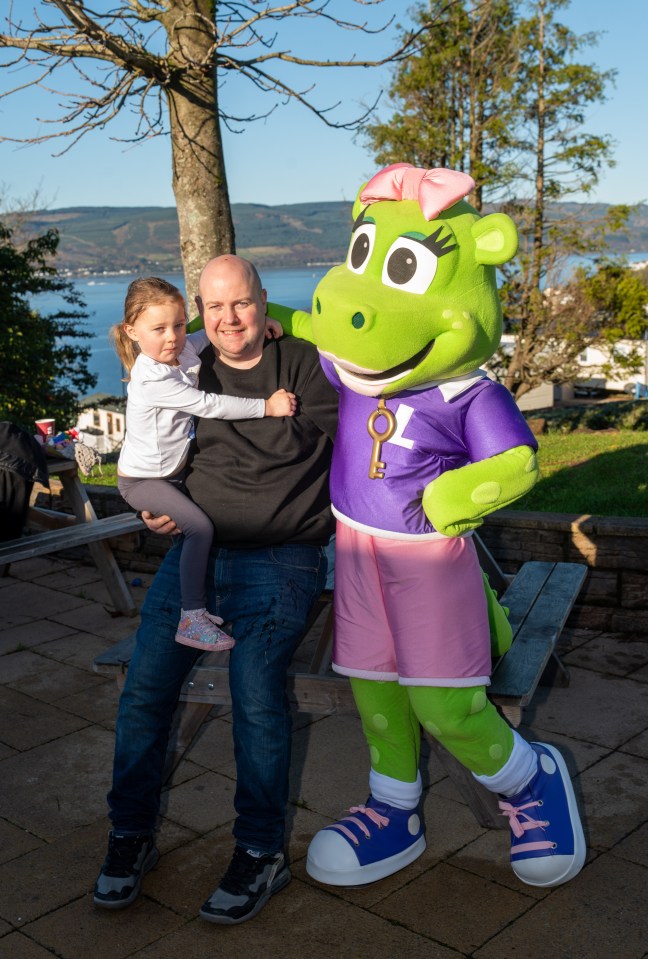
column 466, row 723
column 390, row 726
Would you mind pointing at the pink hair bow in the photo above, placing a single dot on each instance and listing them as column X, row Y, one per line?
column 435, row 190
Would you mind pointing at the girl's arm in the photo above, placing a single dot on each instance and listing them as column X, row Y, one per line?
column 172, row 393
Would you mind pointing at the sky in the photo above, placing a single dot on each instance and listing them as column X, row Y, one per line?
column 292, row 157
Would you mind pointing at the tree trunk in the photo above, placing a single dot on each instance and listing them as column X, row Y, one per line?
column 199, row 179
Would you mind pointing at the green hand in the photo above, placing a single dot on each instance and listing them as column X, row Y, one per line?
column 294, row 322
column 458, row 500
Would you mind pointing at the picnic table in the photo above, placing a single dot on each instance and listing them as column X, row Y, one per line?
column 62, row 531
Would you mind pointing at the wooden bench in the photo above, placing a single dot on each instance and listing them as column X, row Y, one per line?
column 70, row 532
column 540, row 598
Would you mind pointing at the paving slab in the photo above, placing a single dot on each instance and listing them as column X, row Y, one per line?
column 635, row 847
column 201, row 803
column 615, row 792
column 78, row 930
column 52, row 875
column 595, row 707
column 57, row 787
column 637, row 746
column 461, row 909
column 300, row 922
column 15, row 638
column 15, row 842
column 95, row 703
column 97, row 619
column 19, row 946
column 600, row 914
column 44, row 678
column 619, row 654
column 74, row 648
column 26, row 722
column 25, row 602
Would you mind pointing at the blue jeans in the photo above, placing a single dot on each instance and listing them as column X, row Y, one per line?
column 266, row 595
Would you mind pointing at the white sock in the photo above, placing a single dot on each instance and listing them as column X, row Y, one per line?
column 516, row 773
column 395, row 792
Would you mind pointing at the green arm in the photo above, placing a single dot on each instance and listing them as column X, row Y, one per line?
column 459, row 499
column 294, row 322
column 194, row 325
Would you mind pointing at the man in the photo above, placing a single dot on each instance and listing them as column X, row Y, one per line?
column 264, row 484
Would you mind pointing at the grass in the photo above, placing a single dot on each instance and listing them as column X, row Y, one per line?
column 602, row 473
column 594, row 459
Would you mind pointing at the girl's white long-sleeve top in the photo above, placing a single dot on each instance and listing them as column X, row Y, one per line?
column 162, row 400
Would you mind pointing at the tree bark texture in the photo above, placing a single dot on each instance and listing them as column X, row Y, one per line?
column 199, row 178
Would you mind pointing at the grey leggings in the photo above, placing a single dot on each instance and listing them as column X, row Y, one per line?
column 167, row 497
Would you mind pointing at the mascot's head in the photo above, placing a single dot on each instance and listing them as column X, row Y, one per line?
column 416, row 300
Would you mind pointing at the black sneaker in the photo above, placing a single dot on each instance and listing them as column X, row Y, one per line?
column 247, row 885
column 129, row 859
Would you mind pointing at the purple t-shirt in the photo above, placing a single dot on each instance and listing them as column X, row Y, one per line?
column 432, row 435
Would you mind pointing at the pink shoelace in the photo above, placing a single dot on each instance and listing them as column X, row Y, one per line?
column 371, row 814
column 520, row 822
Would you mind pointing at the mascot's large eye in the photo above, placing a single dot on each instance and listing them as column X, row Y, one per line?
column 409, row 265
column 362, row 243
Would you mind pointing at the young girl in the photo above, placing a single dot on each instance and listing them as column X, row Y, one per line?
column 163, row 362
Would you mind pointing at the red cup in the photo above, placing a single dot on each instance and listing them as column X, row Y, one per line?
column 46, row 429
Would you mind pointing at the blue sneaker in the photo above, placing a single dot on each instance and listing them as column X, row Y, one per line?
column 547, row 842
column 374, row 841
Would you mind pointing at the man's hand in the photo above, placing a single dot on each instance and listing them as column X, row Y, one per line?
column 160, row 524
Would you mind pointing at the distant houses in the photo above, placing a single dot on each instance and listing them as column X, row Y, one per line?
column 102, row 422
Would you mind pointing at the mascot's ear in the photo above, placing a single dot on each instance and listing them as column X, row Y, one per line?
column 496, row 239
column 358, row 206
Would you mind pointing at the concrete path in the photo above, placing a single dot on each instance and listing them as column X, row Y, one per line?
column 459, row 899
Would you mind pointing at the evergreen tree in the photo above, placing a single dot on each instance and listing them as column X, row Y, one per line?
column 560, row 159
column 43, row 367
column 452, row 99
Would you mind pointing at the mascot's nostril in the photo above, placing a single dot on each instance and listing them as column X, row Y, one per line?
column 318, row 305
column 358, row 321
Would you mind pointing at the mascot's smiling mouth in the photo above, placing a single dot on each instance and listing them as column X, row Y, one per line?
column 392, row 373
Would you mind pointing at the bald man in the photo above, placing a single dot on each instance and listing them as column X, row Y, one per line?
column 264, row 484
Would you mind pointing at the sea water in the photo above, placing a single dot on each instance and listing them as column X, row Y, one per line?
column 104, row 298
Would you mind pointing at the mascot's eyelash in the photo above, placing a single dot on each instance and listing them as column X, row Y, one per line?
column 439, row 245
column 360, row 220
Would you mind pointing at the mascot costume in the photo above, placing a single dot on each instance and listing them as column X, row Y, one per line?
column 427, row 445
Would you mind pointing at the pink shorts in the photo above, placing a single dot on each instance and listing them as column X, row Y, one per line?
column 412, row 612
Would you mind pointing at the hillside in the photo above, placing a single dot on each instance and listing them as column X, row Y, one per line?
column 140, row 239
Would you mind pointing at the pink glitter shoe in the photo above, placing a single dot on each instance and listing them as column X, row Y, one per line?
column 200, row 629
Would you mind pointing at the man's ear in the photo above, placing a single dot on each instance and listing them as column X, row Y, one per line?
column 496, row 239
column 199, row 305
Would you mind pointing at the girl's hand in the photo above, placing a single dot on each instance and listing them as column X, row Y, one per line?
column 273, row 329
column 281, row 403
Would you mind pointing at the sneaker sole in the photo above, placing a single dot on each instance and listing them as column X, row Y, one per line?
column 150, row 862
column 280, row 883
column 575, row 862
column 219, row 647
column 372, row 872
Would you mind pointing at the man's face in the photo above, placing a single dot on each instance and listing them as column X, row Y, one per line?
column 232, row 307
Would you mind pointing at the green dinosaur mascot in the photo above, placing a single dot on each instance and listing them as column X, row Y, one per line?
column 427, row 445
